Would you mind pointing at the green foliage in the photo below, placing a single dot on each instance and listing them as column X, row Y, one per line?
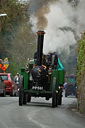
column 14, row 13
column 81, row 59
column 17, row 42
column 80, row 111
column 69, row 0
column 81, row 72
column 9, row 24
column 74, row 2
column 12, row 68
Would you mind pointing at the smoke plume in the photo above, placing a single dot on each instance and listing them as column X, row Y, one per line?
column 62, row 20
column 38, row 10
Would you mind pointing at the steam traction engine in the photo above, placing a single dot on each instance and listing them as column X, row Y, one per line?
column 41, row 78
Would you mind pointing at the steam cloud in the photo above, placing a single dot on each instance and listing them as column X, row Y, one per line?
column 61, row 20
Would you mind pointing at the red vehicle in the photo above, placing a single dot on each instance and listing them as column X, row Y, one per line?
column 11, row 87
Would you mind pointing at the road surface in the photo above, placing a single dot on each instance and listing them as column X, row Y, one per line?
column 40, row 114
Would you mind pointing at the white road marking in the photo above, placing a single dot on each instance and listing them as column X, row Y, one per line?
column 34, row 113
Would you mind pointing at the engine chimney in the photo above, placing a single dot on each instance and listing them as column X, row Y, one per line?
column 40, row 47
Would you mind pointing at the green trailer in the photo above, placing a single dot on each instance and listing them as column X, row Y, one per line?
column 37, row 80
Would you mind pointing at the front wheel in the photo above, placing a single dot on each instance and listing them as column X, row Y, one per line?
column 60, row 97
column 21, row 83
column 57, row 100
column 24, row 98
column 28, row 98
column 54, row 93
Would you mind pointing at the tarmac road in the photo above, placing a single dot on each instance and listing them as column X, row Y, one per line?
column 40, row 114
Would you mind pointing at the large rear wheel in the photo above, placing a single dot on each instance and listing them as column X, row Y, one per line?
column 28, row 98
column 54, row 93
column 21, row 83
column 56, row 99
column 24, row 98
column 60, row 97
